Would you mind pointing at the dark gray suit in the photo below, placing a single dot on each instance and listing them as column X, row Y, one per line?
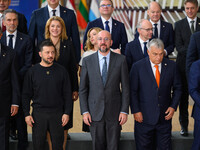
column 104, row 103
column 182, row 39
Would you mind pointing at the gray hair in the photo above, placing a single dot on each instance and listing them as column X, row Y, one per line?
column 155, row 2
column 158, row 43
column 9, row 11
column 139, row 25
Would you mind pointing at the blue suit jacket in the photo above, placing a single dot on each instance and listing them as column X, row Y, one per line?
column 146, row 97
column 37, row 27
column 193, row 52
column 194, row 86
column 166, row 35
column 119, row 36
column 24, row 51
column 133, row 52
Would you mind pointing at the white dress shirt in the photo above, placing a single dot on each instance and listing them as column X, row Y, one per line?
column 13, row 39
column 110, row 23
column 158, row 27
column 57, row 11
column 195, row 21
column 142, row 43
column 154, row 68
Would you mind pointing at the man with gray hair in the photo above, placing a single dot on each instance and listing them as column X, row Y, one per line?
column 137, row 49
column 152, row 103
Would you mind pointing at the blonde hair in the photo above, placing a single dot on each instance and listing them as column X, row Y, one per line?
column 63, row 35
column 88, row 44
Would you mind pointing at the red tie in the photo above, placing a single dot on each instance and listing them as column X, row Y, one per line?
column 157, row 75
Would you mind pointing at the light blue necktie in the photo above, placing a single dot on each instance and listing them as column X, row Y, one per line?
column 104, row 71
column 107, row 26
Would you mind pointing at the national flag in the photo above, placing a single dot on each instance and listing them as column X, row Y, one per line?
column 94, row 10
column 44, row 3
column 71, row 5
column 82, row 14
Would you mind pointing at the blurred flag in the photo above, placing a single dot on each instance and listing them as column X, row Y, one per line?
column 44, row 3
column 94, row 10
column 71, row 5
column 82, row 14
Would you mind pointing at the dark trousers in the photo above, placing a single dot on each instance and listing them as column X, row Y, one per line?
column 105, row 134
column 4, row 133
column 196, row 142
column 153, row 137
column 183, row 104
column 44, row 122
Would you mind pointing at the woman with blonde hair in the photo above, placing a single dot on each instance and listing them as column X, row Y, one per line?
column 65, row 55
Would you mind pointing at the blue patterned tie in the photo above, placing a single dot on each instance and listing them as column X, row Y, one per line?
column 104, row 71
column 155, row 30
column 145, row 49
column 10, row 44
column 107, row 26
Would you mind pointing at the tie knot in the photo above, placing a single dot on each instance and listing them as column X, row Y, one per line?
column 145, row 43
column 54, row 12
column 104, row 58
column 192, row 22
column 11, row 35
column 106, row 22
column 156, row 66
column 155, row 24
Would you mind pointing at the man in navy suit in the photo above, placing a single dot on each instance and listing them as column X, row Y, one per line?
column 22, row 45
column 38, row 21
column 194, row 85
column 152, row 103
column 162, row 29
column 22, row 27
column 106, row 22
column 137, row 49
column 183, row 30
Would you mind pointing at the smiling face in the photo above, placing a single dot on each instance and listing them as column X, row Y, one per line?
column 191, row 10
column 11, row 22
column 55, row 28
column 4, row 5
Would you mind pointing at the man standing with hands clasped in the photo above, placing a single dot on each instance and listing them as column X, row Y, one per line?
column 104, row 94
column 48, row 85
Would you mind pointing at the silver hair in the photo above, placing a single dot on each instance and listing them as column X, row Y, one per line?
column 9, row 11
column 139, row 25
column 158, row 43
column 157, row 3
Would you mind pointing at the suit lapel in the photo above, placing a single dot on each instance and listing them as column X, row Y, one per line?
column 62, row 12
column 197, row 25
column 4, row 39
column 162, row 29
column 46, row 14
column 150, row 71
column 18, row 40
column 163, row 70
column 114, row 29
column 100, row 23
column 186, row 27
column 96, row 65
column 139, row 49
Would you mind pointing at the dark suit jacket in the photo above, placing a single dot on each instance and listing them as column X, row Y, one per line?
column 194, row 86
column 24, row 51
column 109, row 100
column 9, row 81
column 133, row 52
column 118, row 33
column 146, row 97
column 68, row 60
column 182, row 39
column 22, row 26
column 166, row 35
column 37, row 27
column 193, row 52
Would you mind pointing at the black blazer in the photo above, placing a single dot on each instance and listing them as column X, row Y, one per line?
column 67, row 59
column 24, row 51
column 9, row 80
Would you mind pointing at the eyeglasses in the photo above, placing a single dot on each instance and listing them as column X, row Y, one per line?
column 105, row 39
column 148, row 29
column 104, row 6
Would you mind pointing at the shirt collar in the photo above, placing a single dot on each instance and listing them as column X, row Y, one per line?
column 14, row 33
column 103, row 20
column 50, row 9
column 158, row 23
column 153, row 65
column 101, row 56
column 141, row 41
column 189, row 19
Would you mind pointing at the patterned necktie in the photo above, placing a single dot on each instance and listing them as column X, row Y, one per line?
column 54, row 12
column 192, row 26
column 145, row 49
column 157, row 75
column 155, row 30
column 107, row 26
column 104, row 71
column 10, row 44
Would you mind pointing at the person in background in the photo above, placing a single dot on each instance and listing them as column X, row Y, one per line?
column 55, row 31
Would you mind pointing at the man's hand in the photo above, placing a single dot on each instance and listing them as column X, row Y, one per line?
column 138, row 117
column 65, row 119
column 29, row 120
column 169, row 113
column 74, row 95
column 14, row 110
column 123, row 118
column 87, row 118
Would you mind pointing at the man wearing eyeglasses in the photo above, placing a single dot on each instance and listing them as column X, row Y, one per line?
column 104, row 94
column 106, row 22
column 137, row 49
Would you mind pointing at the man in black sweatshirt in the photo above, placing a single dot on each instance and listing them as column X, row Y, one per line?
column 47, row 85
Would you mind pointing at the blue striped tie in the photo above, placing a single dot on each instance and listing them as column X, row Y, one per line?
column 104, row 71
